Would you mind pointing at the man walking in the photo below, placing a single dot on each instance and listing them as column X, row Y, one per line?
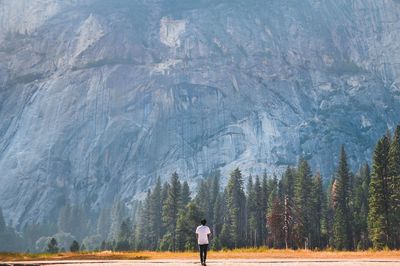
column 203, row 233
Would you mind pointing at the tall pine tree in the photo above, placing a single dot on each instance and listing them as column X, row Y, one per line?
column 302, row 192
column 188, row 217
column 236, row 200
column 378, row 216
column 185, row 194
column 155, row 216
column 170, row 212
column 317, row 199
column 360, row 203
column 342, row 233
column 394, row 187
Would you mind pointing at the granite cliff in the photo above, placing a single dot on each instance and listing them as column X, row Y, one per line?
column 98, row 98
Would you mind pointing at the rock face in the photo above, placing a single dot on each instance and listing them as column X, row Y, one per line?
column 98, row 98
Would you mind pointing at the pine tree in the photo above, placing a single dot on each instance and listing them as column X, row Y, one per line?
column 171, row 209
column 260, row 221
column 394, row 187
column 378, row 216
column 317, row 199
column 264, row 207
column 188, row 217
column 276, row 221
column 202, row 198
column 143, row 230
column 214, row 192
column 225, row 228
column 331, row 204
column 255, row 213
column 360, row 199
column 164, row 195
column 288, row 182
column 342, row 234
column 251, row 209
column 185, row 195
column 302, row 191
column 74, row 246
column 287, row 198
column 52, row 247
column 226, row 236
column 155, row 216
column 219, row 219
column 236, row 200
column 124, row 236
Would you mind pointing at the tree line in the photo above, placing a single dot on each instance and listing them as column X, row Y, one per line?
column 298, row 210
column 352, row 211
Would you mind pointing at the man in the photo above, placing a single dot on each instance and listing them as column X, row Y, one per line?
column 203, row 233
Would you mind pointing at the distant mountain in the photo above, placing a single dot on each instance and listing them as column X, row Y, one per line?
column 98, row 98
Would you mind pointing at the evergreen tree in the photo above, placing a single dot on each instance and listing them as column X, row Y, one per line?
column 360, row 199
column 74, row 246
column 264, row 207
column 171, row 209
column 251, row 213
column 276, row 221
column 202, row 198
column 236, row 207
column 317, row 199
column 256, row 214
column 302, row 191
column 124, row 236
column 342, row 234
column 143, row 230
column 185, row 195
column 52, row 247
column 378, row 216
column 288, row 180
column 188, row 217
column 214, row 193
column 260, row 217
column 155, row 213
column 220, row 216
column 165, row 191
column 332, row 203
column 394, row 187
column 164, row 195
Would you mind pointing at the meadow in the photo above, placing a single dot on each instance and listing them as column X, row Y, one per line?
column 248, row 253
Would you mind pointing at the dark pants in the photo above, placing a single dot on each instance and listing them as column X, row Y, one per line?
column 203, row 252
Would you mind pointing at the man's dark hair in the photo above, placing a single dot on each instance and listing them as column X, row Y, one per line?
column 203, row 222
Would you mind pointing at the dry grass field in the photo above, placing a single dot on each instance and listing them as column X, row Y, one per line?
column 261, row 253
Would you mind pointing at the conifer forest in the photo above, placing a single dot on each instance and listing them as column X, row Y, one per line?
column 298, row 210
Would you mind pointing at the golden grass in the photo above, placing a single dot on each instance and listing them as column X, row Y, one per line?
column 250, row 253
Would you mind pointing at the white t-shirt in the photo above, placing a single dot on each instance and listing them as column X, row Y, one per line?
column 203, row 231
